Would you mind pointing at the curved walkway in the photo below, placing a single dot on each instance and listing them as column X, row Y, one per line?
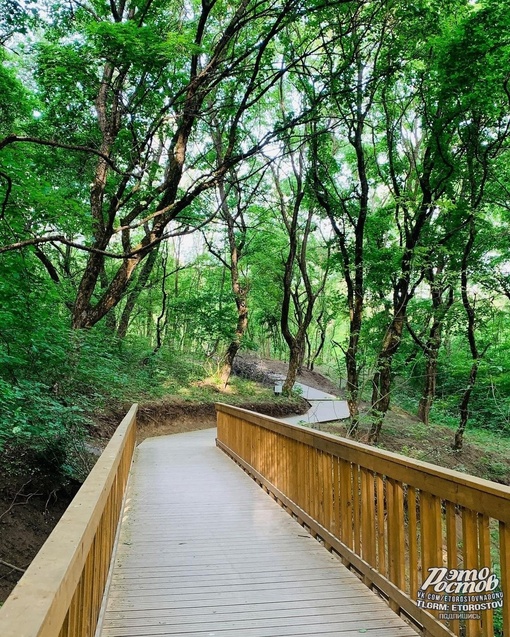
column 204, row 551
column 323, row 407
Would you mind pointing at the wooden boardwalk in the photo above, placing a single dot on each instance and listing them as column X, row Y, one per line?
column 204, row 551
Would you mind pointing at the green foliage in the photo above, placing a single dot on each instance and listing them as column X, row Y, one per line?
column 125, row 43
column 17, row 17
column 40, row 437
column 475, row 58
column 490, row 403
column 13, row 98
column 54, row 379
column 409, row 98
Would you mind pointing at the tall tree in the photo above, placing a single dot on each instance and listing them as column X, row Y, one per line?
column 442, row 298
column 237, row 198
column 354, row 70
column 483, row 130
column 421, row 144
column 301, row 286
column 143, row 150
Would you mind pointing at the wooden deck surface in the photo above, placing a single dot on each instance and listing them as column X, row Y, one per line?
column 204, row 551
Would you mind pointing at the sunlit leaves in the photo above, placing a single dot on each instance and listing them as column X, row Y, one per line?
column 127, row 43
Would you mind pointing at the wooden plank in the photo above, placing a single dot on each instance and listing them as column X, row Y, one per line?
column 329, row 521
column 348, row 603
column 256, row 448
column 300, row 469
column 270, row 455
column 368, row 530
column 292, row 467
column 314, row 484
column 396, row 551
column 381, row 526
column 504, row 554
column 216, row 603
column 306, row 475
column 202, row 616
column 485, row 560
column 470, row 558
column 308, row 629
column 319, row 487
column 324, row 488
column 73, row 618
column 325, row 624
column 284, row 462
column 412, row 535
column 346, row 509
column 356, row 505
column 232, row 579
column 336, row 498
column 452, row 550
column 428, row 623
column 262, row 592
column 263, row 446
column 431, row 545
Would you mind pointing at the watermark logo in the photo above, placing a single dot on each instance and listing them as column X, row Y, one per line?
column 460, row 593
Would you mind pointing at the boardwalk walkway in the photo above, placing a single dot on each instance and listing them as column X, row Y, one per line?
column 204, row 551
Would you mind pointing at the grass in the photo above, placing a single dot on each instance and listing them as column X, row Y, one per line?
column 209, row 388
column 485, row 454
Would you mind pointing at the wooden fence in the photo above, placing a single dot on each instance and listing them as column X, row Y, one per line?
column 61, row 592
column 435, row 543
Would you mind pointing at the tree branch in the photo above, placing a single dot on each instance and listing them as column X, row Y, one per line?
column 12, row 139
column 7, row 194
column 14, row 568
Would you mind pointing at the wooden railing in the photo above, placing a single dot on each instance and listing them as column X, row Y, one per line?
column 435, row 543
column 61, row 592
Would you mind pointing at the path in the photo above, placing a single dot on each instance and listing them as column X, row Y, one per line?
column 204, row 551
column 323, row 407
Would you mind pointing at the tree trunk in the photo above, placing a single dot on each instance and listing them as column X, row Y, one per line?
column 352, row 386
column 464, row 407
column 110, row 319
column 320, row 347
column 233, row 348
column 431, row 350
column 471, row 335
column 352, row 260
column 135, row 293
column 161, row 321
column 295, row 362
column 429, row 389
column 168, row 204
column 382, row 377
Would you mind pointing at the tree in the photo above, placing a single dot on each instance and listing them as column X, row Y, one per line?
column 476, row 354
column 301, row 286
column 237, row 195
column 483, row 132
column 353, row 79
column 424, row 151
column 442, row 298
column 145, row 151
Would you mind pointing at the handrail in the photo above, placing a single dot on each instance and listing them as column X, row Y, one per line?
column 61, row 592
column 434, row 542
